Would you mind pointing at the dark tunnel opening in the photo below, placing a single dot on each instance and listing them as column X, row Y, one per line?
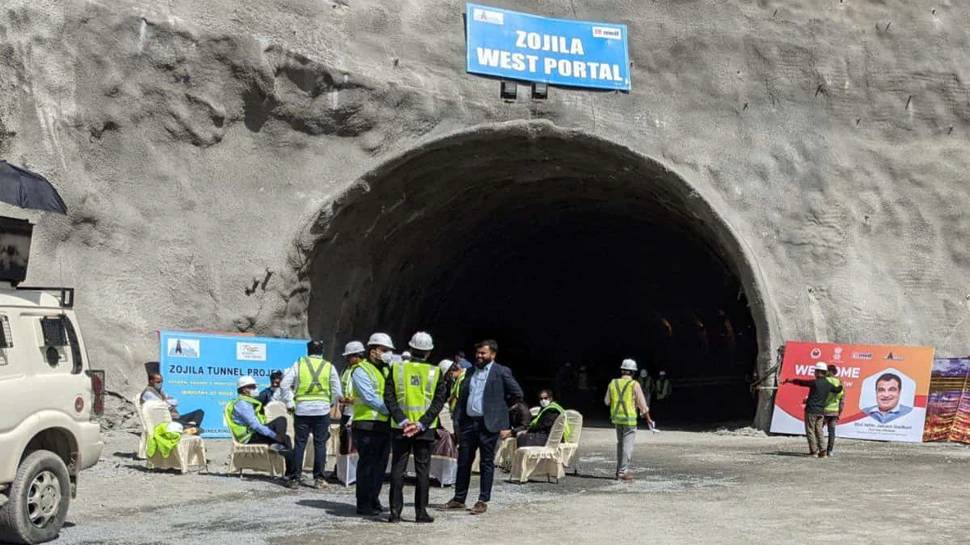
column 567, row 250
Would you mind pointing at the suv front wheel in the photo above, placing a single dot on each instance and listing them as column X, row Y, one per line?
column 39, row 498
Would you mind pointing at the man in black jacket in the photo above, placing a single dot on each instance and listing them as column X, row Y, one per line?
column 414, row 394
column 481, row 414
column 818, row 393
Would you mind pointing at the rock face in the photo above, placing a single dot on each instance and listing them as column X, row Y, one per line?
column 242, row 164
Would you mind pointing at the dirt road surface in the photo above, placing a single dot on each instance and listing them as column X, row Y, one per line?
column 729, row 487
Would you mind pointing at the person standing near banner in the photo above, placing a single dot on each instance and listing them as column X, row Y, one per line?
column 818, row 393
column 371, row 423
column 313, row 385
column 833, row 408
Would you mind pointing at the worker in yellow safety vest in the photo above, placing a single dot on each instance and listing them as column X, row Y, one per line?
column 625, row 398
column 415, row 393
column 834, row 404
column 537, row 432
column 245, row 420
column 354, row 353
column 313, row 387
column 371, row 428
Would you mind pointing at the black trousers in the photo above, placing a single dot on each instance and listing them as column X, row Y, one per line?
column 319, row 426
column 195, row 416
column 278, row 425
column 345, row 445
column 373, row 450
column 532, row 439
column 473, row 436
column 401, row 449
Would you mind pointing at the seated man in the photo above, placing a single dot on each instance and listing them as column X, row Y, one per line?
column 244, row 416
column 153, row 392
column 538, row 431
column 273, row 392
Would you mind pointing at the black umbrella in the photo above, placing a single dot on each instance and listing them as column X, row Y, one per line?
column 27, row 189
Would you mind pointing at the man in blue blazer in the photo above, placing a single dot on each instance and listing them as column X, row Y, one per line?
column 482, row 411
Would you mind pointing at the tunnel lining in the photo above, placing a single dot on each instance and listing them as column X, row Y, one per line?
column 447, row 187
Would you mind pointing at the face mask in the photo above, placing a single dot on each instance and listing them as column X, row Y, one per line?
column 543, row 402
column 387, row 358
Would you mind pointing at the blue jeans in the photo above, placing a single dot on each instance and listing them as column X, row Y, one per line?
column 319, row 426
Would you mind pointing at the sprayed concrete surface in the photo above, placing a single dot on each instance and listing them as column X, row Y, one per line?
column 204, row 147
column 730, row 487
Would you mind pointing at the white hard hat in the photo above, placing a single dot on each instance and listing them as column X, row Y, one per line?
column 820, row 366
column 380, row 339
column 421, row 341
column 405, row 356
column 445, row 366
column 628, row 365
column 353, row 347
column 245, row 381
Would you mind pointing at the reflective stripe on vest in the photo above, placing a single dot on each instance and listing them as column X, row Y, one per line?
column 553, row 406
column 414, row 386
column 455, row 390
column 347, row 383
column 314, row 379
column 362, row 411
column 833, row 400
column 623, row 411
column 240, row 432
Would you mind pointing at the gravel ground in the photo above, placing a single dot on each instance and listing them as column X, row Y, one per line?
column 727, row 486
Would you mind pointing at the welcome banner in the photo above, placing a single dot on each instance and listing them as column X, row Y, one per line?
column 886, row 388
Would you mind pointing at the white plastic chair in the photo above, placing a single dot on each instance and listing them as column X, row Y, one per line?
column 570, row 445
column 539, row 461
column 189, row 455
column 505, row 453
column 257, row 457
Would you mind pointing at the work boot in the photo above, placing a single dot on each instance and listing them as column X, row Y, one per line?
column 320, row 484
column 479, row 508
column 823, row 454
column 394, row 518
column 452, row 505
column 626, row 476
column 424, row 518
column 291, row 483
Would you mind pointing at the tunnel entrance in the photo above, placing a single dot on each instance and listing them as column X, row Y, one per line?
column 571, row 251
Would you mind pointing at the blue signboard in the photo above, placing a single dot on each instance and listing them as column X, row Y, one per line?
column 200, row 370
column 519, row 46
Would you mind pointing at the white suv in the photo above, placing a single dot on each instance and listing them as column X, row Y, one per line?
column 50, row 398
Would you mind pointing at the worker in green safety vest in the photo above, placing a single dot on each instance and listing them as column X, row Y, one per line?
column 354, row 353
column 313, row 387
column 541, row 424
column 415, row 393
column 624, row 396
column 371, row 428
column 834, row 404
column 245, row 419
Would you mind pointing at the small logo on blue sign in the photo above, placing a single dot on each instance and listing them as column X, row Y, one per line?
column 183, row 348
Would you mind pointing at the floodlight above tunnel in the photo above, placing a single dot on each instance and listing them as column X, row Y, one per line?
column 508, row 90
column 540, row 91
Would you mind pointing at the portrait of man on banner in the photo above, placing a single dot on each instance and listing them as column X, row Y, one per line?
column 887, row 396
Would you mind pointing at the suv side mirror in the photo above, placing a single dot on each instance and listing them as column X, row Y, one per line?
column 53, row 356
